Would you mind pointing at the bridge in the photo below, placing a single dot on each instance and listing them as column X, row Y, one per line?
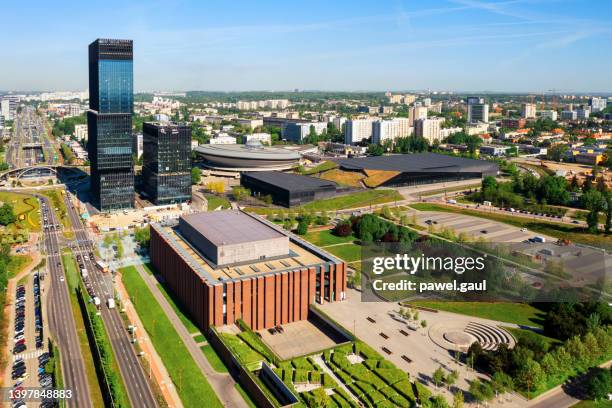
column 40, row 170
column 32, row 145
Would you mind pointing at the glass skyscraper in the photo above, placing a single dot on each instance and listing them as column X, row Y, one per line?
column 166, row 162
column 109, row 120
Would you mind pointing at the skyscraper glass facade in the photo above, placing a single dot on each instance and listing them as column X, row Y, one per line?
column 166, row 167
column 111, row 90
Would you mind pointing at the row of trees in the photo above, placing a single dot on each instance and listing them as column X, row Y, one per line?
column 369, row 228
column 532, row 366
column 66, row 126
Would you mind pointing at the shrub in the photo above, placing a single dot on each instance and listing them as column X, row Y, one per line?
column 300, row 376
column 366, row 351
column 342, row 229
column 302, row 363
column 422, row 391
column 391, row 375
column 404, row 388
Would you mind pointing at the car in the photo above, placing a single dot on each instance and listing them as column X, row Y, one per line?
column 61, row 278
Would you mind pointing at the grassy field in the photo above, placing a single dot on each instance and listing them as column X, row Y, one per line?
column 191, row 385
column 17, row 264
column 518, row 313
column 355, row 200
column 215, row 202
column 528, row 334
column 347, row 178
column 553, row 229
column 325, row 237
column 347, row 252
column 450, row 190
column 325, row 166
column 72, row 278
column 26, row 209
column 213, row 359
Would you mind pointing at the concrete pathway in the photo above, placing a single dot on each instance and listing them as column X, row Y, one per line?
column 319, row 361
column 222, row 383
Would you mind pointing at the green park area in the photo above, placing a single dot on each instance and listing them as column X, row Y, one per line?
column 356, row 200
column 190, row 383
column 554, row 229
column 518, row 313
column 216, row 202
column 320, row 168
column 326, row 237
column 26, row 210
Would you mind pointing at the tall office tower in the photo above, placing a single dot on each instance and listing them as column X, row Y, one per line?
column 109, row 121
column 528, row 110
column 166, row 162
column 477, row 110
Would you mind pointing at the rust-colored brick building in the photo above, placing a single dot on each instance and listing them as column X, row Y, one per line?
column 263, row 290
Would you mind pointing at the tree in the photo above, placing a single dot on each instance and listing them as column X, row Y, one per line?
column 302, row 227
column 593, row 201
column 438, row 401
column 423, row 323
column 458, row 399
column 451, row 378
column 7, row 216
column 501, row 382
column 530, row 375
column 599, row 383
column 489, row 182
column 196, row 175
column 342, row 229
column 375, row 150
column 608, row 224
column 554, row 190
column 556, row 152
column 438, row 376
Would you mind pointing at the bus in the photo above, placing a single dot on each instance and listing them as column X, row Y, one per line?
column 102, row 266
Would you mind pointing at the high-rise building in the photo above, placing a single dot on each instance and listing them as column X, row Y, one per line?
column 528, row 111
column 357, row 130
column 416, row 113
column 166, row 162
column 583, row 112
column 597, row 104
column 549, row 114
column 8, row 106
column 477, row 110
column 383, row 130
column 429, row 129
column 109, row 120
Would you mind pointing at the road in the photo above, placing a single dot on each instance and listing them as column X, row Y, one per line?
column 30, row 143
column 136, row 382
column 61, row 320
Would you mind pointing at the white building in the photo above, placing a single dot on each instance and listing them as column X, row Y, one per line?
column 357, row 130
column 583, row 113
column 549, row 114
column 160, row 117
column 250, row 123
column 80, row 132
column 8, row 106
column 223, row 138
column 528, row 111
column 446, row 132
column 597, row 104
column 260, row 137
column 416, row 113
column 569, row 115
column 383, row 130
column 339, row 121
column 477, row 128
column 194, row 144
column 138, row 145
column 429, row 129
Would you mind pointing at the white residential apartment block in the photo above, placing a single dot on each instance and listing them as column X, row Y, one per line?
column 80, row 132
column 383, row 130
column 416, row 113
column 528, row 110
column 429, row 129
column 269, row 103
column 250, row 123
column 549, row 114
column 223, row 138
column 597, row 104
column 259, row 137
column 357, row 130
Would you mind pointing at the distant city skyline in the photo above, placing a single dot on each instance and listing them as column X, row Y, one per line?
column 453, row 45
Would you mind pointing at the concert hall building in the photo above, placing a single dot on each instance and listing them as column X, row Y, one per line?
column 229, row 265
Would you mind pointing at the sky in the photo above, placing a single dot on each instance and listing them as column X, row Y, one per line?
column 456, row 45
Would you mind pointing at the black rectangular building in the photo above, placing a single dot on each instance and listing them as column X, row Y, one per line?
column 288, row 189
column 109, row 121
column 166, row 162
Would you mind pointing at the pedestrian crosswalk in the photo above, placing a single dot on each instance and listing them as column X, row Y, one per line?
column 27, row 356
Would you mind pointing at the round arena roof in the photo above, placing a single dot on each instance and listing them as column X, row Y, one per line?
column 247, row 157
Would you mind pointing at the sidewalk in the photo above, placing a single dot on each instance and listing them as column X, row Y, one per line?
column 156, row 367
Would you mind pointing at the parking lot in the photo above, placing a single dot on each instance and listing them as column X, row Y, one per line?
column 28, row 345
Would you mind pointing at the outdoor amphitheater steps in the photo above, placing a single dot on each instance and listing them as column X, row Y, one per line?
column 448, row 335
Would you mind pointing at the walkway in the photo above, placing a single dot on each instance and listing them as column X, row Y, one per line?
column 222, row 383
column 319, row 361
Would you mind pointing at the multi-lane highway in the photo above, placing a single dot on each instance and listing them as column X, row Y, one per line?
column 61, row 320
column 30, row 144
column 134, row 377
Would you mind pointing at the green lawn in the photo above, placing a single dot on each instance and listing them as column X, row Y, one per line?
column 528, row 334
column 553, row 229
column 17, row 264
column 346, row 252
column 191, row 385
column 213, row 359
column 326, row 165
column 325, row 237
column 25, row 208
column 355, row 200
column 518, row 313
column 215, row 202
column 199, row 338
column 189, row 325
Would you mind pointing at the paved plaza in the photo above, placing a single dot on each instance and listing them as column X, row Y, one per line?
column 297, row 339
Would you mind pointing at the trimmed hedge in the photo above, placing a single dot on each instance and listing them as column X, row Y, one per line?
column 422, row 391
column 391, row 375
column 404, row 388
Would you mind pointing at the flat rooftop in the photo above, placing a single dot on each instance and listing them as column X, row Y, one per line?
column 230, row 227
column 290, row 181
column 301, row 254
column 417, row 162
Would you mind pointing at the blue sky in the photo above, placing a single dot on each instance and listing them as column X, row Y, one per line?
column 470, row 45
